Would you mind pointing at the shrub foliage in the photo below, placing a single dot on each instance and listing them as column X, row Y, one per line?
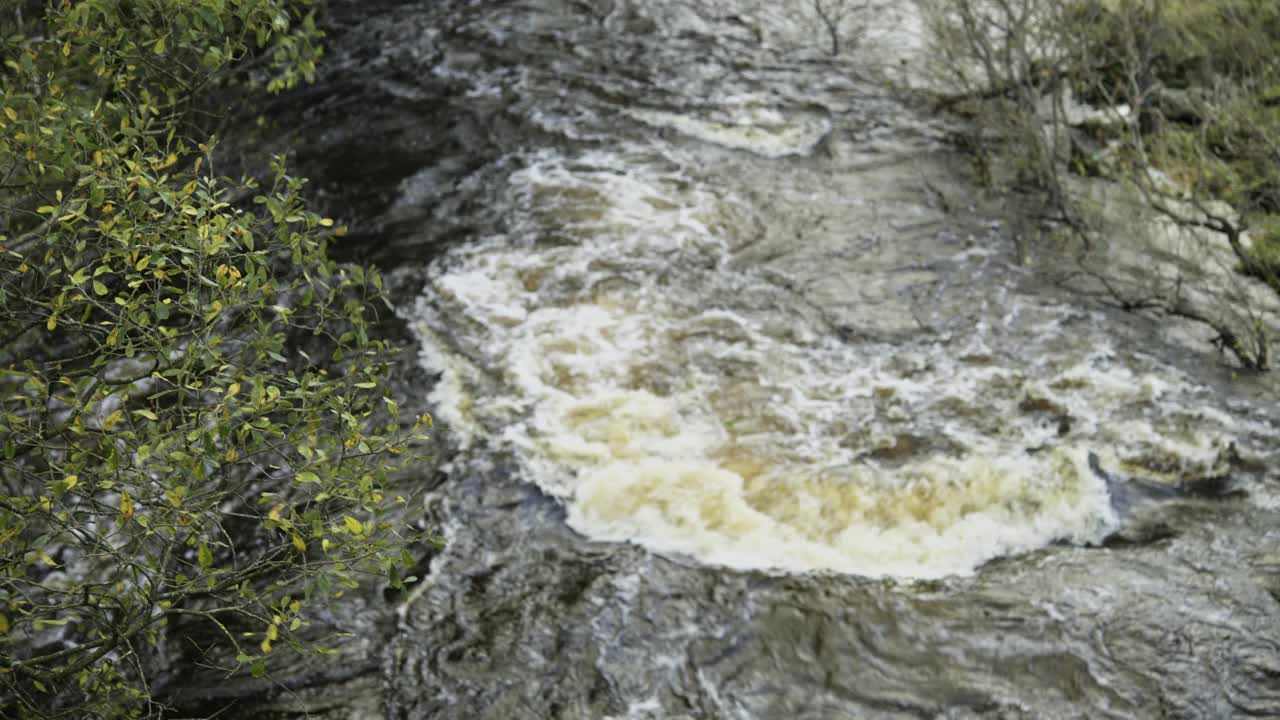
column 1185, row 101
column 193, row 426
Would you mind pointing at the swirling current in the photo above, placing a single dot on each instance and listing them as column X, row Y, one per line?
column 750, row 404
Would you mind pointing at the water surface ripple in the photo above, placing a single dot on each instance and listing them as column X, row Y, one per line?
column 751, row 411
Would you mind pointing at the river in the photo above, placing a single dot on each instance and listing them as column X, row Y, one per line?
column 749, row 406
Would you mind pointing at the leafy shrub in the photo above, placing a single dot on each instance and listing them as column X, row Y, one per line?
column 193, row 425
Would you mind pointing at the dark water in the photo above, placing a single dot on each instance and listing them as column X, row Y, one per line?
column 747, row 409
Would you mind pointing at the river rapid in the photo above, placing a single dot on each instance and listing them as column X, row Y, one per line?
column 748, row 404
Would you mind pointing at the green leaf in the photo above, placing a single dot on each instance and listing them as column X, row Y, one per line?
column 129, row 241
column 176, row 496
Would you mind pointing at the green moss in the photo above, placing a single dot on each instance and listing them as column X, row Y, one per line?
column 1213, row 79
column 1193, row 41
column 1266, row 242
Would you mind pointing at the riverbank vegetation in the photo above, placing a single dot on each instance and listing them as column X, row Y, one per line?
column 1176, row 100
column 195, row 439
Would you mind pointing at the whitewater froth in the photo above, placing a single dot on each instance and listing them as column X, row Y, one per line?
column 610, row 342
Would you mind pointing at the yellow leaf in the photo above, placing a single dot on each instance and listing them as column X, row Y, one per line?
column 353, row 525
column 10, row 113
column 298, row 543
column 265, row 647
column 273, row 632
column 4, row 625
column 159, row 48
column 126, row 508
column 176, row 495
column 53, row 322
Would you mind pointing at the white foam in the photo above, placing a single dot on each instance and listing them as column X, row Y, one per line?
column 763, row 131
column 610, row 345
column 932, row 519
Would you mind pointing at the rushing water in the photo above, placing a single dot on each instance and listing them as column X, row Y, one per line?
column 679, row 399
column 730, row 359
column 639, row 338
